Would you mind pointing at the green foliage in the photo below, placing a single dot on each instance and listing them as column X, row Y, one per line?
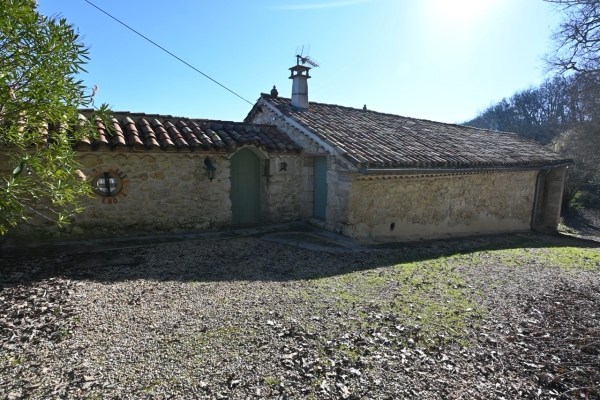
column 40, row 58
column 272, row 381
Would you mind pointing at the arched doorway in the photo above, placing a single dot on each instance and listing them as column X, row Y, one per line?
column 245, row 188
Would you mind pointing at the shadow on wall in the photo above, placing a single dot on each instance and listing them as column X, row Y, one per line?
column 252, row 259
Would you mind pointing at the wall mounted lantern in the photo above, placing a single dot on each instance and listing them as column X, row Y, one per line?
column 283, row 166
column 210, row 169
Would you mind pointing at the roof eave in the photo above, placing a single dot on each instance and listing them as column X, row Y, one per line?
column 412, row 171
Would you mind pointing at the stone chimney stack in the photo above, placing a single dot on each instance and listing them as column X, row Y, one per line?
column 299, row 77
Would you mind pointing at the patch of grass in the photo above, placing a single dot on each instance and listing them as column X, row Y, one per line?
column 429, row 296
column 63, row 334
column 15, row 361
column 567, row 258
column 570, row 258
column 226, row 334
column 272, row 381
column 426, row 296
column 435, row 298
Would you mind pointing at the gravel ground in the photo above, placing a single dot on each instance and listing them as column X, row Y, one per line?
column 501, row 317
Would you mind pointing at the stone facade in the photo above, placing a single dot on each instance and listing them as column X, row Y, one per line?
column 164, row 191
column 420, row 207
column 281, row 189
column 338, row 171
column 549, row 199
column 170, row 192
column 167, row 193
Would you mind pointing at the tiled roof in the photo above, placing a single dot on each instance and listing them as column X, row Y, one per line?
column 141, row 131
column 377, row 140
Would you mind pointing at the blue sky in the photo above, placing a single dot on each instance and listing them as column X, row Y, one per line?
column 435, row 59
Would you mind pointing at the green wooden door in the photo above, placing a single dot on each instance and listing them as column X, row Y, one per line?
column 320, row 187
column 245, row 188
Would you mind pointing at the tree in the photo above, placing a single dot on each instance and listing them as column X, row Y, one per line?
column 577, row 49
column 582, row 144
column 577, row 39
column 562, row 112
column 540, row 113
column 40, row 58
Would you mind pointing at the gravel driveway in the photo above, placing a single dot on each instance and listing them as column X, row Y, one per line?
column 502, row 317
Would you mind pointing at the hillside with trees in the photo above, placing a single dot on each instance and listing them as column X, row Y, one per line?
column 564, row 111
column 542, row 113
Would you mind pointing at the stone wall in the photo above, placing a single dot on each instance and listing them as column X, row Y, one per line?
column 550, row 190
column 337, row 171
column 281, row 189
column 410, row 208
column 169, row 192
column 338, row 196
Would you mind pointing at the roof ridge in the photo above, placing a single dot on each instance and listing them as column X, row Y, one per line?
column 165, row 116
column 401, row 116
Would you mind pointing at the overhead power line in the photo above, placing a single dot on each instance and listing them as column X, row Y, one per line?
column 168, row 52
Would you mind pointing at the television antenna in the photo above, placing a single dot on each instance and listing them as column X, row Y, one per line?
column 305, row 59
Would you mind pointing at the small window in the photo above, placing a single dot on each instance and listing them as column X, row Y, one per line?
column 107, row 184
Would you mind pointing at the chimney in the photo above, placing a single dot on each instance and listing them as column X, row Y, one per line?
column 299, row 76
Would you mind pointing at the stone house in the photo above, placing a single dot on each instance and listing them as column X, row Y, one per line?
column 382, row 177
column 158, row 173
column 368, row 175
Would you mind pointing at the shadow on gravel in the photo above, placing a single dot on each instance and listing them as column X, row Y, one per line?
column 250, row 258
column 584, row 222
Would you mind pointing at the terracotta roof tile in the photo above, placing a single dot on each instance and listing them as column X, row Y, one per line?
column 149, row 135
column 204, row 139
column 162, row 135
column 175, row 134
column 133, row 136
column 118, row 139
column 103, row 136
column 377, row 140
column 188, row 134
column 165, row 132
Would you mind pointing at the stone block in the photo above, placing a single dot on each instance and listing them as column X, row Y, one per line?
column 159, row 194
